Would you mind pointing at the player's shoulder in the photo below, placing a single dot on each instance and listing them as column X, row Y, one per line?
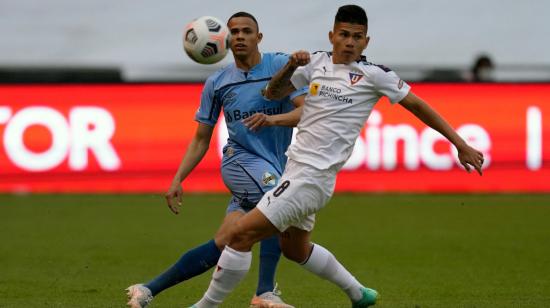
column 221, row 76
column 321, row 54
column 320, row 57
column 372, row 67
column 275, row 55
column 272, row 62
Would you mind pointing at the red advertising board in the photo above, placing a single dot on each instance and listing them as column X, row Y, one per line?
column 131, row 138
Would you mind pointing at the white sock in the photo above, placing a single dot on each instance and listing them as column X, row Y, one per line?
column 322, row 263
column 231, row 269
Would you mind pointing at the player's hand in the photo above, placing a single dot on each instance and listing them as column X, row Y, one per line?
column 174, row 197
column 257, row 121
column 470, row 157
column 299, row 58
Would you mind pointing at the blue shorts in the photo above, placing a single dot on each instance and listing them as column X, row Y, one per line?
column 248, row 177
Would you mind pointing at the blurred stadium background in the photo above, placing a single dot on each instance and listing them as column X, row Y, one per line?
column 142, row 41
column 96, row 110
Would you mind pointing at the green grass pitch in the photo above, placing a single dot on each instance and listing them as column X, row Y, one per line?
column 416, row 250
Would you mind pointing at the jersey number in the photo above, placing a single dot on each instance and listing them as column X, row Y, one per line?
column 284, row 185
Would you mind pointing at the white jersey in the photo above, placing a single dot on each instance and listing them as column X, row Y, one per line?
column 340, row 99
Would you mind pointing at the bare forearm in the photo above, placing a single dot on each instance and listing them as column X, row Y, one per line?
column 289, row 119
column 468, row 156
column 431, row 118
column 280, row 85
column 194, row 154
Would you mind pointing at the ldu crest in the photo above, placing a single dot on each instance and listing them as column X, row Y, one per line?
column 354, row 78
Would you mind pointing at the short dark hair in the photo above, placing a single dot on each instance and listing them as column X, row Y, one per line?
column 352, row 14
column 244, row 14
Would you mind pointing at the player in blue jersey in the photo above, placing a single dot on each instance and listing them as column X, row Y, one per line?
column 254, row 158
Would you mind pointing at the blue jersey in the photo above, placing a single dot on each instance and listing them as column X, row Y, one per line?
column 238, row 94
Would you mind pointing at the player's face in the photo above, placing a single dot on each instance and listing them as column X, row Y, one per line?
column 244, row 36
column 348, row 42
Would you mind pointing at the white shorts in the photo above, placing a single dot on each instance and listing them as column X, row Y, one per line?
column 302, row 191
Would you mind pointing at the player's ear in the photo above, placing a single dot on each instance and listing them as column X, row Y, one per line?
column 367, row 44
column 330, row 34
column 260, row 36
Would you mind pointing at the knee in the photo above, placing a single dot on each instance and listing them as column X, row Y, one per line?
column 222, row 238
column 296, row 254
column 231, row 236
column 241, row 238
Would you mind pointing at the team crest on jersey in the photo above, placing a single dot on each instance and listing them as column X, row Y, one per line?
column 400, row 84
column 229, row 151
column 354, row 78
column 269, row 179
column 314, row 88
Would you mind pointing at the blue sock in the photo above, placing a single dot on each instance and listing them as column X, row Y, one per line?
column 194, row 262
column 270, row 252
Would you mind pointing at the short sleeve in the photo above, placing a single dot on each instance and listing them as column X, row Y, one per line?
column 298, row 92
column 210, row 107
column 389, row 84
column 279, row 60
column 301, row 77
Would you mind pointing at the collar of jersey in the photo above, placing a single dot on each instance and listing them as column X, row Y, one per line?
column 252, row 68
column 362, row 59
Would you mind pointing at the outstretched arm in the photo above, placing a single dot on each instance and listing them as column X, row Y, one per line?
column 290, row 118
column 280, row 85
column 467, row 155
column 194, row 154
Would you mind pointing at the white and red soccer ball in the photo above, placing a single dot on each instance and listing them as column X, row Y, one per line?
column 206, row 40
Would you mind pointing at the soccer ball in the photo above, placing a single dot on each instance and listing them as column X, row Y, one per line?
column 206, row 40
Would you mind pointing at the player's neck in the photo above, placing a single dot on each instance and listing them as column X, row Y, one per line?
column 340, row 60
column 248, row 62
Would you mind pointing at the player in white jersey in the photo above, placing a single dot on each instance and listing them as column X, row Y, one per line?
column 343, row 89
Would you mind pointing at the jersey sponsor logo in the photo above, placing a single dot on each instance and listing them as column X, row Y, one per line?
column 269, row 179
column 314, row 88
column 400, row 84
column 237, row 115
column 354, row 78
column 334, row 93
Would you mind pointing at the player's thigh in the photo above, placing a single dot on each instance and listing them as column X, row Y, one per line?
column 250, row 229
column 223, row 235
column 296, row 244
column 293, row 203
column 248, row 177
